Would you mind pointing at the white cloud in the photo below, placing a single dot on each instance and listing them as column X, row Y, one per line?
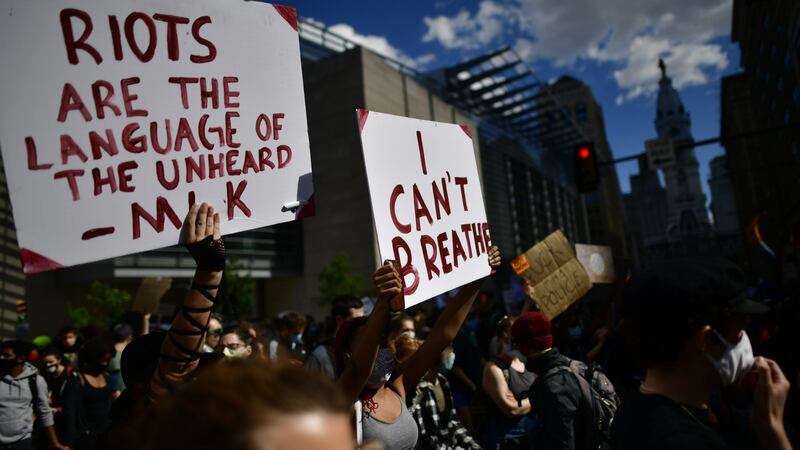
column 631, row 35
column 468, row 31
column 380, row 45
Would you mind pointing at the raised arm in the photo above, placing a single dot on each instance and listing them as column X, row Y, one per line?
column 365, row 349
column 443, row 332
column 184, row 342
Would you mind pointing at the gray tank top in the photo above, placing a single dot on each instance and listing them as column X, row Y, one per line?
column 402, row 434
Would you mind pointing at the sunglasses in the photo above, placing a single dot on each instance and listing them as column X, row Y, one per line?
column 217, row 332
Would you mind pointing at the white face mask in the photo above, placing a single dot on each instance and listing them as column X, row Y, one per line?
column 409, row 333
column 53, row 368
column 735, row 361
column 232, row 354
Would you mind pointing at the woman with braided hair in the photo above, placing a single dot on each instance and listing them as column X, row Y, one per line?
column 366, row 365
column 153, row 365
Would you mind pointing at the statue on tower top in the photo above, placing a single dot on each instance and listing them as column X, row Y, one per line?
column 663, row 68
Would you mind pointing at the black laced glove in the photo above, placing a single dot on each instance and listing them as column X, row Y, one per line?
column 208, row 253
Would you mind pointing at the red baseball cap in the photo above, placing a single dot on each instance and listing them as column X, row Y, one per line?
column 533, row 330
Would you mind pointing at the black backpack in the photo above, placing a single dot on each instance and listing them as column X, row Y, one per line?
column 600, row 400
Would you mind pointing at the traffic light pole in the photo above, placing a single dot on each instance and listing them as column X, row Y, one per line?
column 714, row 140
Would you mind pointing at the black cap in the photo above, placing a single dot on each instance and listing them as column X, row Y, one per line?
column 688, row 287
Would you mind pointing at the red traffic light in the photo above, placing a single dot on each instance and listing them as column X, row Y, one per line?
column 584, row 153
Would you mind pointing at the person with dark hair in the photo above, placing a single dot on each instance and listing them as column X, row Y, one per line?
column 96, row 394
column 685, row 325
column 64, row 388
column 237, row 342
column 157, row 363
column 23, row 394
column 287, row 344
column 123, row 335
column 366, row 365
column 321, row 359
column 214, row 333
column 255, row 405
column 68, row 341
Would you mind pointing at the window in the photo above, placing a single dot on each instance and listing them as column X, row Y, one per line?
column 580, row 112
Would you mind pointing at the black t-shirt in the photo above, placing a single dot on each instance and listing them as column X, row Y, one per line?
column 659, row 423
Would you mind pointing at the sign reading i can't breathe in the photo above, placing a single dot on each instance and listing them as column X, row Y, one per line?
column 426, row 201
column 116, row 116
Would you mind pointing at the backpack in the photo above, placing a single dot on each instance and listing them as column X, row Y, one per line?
column 600, row 400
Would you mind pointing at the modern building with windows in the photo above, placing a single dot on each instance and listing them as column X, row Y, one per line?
column 760, row 128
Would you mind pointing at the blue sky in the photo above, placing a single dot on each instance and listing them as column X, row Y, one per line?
column 612, row 45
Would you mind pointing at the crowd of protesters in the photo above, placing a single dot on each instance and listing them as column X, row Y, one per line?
column 680, row 356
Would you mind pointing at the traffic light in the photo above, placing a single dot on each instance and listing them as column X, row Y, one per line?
column 586, row 175
column 22, row 310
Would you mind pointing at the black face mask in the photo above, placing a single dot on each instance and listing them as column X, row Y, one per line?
column 7, row 364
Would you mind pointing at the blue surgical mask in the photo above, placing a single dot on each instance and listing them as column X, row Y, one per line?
column 447, row 362
column 472, row 324
column 382, row 370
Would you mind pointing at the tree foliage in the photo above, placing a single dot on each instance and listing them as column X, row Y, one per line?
column 335, row 280
column 103, row 307
column 238, row 292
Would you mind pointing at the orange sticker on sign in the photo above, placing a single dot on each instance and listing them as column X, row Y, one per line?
column 520, row 264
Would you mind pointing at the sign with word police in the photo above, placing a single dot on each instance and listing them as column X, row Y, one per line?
column 116, row 116
column 426, row 201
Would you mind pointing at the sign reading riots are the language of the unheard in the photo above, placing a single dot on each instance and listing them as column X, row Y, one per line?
column 426, row 201
column 116, row 116
column 598, row 262
column 558, row 278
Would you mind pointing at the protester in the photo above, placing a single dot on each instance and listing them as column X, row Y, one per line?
column 155, row 364
column 214, row 333
column 64, row 388
column 249, row 405
column 321, row 359
column 466, row 375
column 556, row 394
column 123, row 335
column 685, row 323
column 501, row 341
column 506, row 382
column 366, row 366
column 96, row 393
column 68, row 341
column 236, row 342
column 23, row 394
column 432, row 407
column 401, row 325
column 287, row 344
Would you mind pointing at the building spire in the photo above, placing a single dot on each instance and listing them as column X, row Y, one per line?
column 663, row 68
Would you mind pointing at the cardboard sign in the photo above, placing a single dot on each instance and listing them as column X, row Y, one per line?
column 149, row 295
column 426, row 201
column 558, row 278
column 116, row 116
column 597, row 261
column 660, row 153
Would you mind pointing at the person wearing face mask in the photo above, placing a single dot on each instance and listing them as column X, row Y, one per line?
column 23, row 394
column 64, row 389
column 96, row 394
column 685, row 325
column 368, row 373
column 68, row 342
column 433, row 410
column 401, row 325
column 236, row 343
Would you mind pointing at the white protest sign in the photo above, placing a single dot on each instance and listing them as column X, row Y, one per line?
column 660, row 153
column 115, row 116
column 426, row 201
column 598, row 262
